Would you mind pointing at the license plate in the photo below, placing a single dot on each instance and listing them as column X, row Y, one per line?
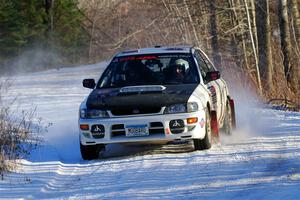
column 137, row 130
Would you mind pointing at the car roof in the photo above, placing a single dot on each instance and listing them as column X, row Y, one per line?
column 156, row 49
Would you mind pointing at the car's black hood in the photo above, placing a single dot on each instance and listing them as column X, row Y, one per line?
column 113, row 99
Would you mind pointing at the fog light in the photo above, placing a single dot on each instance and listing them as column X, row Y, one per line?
column 192, row 120
column 87, row 135
column 84, row 127
column 190, row 128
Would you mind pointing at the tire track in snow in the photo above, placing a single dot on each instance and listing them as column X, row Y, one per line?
column 245, row 165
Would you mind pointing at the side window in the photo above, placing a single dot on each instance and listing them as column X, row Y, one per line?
column 202, row 64
column 207, row 62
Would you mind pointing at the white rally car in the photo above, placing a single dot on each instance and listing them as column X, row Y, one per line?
column 158, row 94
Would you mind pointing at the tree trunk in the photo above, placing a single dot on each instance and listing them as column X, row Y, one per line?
column 49, row 13
column 49, row 30
column 254, row 49
column 285, row 37
column 192, row 24
column 254, row 24
column 236, row 22
column 295, row 69
column 264, row 43
column 233, row 39
column 296, row 20
column 214, row 33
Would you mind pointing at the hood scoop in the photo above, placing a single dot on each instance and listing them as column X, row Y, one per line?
column 143, row 96
column 142, row 89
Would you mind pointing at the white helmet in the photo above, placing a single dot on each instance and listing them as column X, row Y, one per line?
column 181, row 62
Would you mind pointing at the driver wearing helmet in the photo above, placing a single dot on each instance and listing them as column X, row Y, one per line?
column 177, row 71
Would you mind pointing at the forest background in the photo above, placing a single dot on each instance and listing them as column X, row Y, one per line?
column 255, row 43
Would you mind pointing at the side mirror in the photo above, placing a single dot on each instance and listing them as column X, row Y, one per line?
column 211, row 76
column 89, row 83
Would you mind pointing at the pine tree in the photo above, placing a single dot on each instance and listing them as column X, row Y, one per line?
column 21, row 24
column 25, row 24
column 67, row 34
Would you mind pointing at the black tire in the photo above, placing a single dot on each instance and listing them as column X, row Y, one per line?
column 205, row 143
column 90, row 152
column 228, row 121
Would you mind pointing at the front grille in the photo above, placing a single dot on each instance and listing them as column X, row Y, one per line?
column 135, row 111
column 118, row 130
column 154, row 128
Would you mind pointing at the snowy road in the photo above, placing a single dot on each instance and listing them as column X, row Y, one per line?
column 260, row 161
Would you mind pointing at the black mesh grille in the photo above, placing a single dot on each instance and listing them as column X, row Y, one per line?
column 156, row 124
column 118, row 133
column 156, row 128
column 117, row 126
column 135, row 111
column 156, row 131
column 117, row 130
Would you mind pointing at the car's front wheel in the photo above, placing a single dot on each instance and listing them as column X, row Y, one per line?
column 90, row 152
column 205, row 143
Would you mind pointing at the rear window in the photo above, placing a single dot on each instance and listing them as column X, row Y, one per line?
column 154, row 69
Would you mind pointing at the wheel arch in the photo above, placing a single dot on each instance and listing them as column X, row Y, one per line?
column 208, row 106
column 232, row 107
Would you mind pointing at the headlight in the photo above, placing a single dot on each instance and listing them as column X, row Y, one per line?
column 181, row 108
column 177, row 108
column 192, row 107
column 92, row 114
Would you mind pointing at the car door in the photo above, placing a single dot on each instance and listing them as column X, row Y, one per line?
column 222, row 90
column 215, row 87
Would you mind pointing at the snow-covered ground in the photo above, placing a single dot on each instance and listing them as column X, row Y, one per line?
column 260, row 161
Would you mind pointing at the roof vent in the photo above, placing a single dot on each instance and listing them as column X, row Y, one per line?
column 174, row 49
column 157, row 46
column 130, row 51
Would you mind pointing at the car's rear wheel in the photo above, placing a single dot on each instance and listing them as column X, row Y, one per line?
column 205, row 143
column 228, row 121
column 91, row 152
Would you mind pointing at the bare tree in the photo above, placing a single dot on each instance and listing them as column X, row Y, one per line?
column 295, row 69
column 264, row 43
column 239, row 30
column 196, row 40
column 253, row 13
column 296, row 19
column 285, row 37
column 253, row 47
column 237, row 21
column 214, row 33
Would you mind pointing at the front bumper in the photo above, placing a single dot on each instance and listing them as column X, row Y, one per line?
column 159, row 128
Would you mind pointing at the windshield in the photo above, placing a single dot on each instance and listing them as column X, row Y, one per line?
column 154, row 69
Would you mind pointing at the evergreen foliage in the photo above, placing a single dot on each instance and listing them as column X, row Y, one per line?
column 21, row 23
column 68, row 36
column 24, row 25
